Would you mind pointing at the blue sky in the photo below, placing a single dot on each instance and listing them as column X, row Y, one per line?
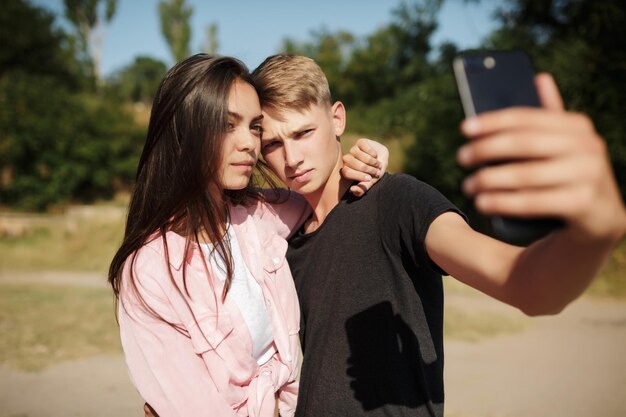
column 252, row 30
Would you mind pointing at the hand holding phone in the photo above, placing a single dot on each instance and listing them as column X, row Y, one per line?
column 496, row 80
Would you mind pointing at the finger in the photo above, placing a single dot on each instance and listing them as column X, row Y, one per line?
column 363, row 187
column 365, row 157
column 355, row 175
column 548, row 92
column 527, row 175
column 149, row 411
column 519, row 118
column 562, row 202
column 358, row 190
column 351, row 164
column 363, row 145
column 516, row 145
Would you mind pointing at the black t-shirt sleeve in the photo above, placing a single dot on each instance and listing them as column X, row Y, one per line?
column 407, row 207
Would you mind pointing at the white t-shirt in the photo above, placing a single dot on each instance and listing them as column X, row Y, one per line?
column 248, row 296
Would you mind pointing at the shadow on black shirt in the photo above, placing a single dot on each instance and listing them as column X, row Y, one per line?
column 385, row 364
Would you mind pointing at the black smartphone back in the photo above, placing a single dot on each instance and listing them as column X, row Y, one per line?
column 492, row 80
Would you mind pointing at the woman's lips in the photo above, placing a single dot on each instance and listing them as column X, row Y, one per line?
column 244, row 166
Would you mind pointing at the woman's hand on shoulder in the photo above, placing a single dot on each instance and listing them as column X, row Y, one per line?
column 366, row 162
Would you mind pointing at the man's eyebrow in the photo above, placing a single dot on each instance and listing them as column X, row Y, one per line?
column 301, row 128
column 293, row 132
column 258, row 118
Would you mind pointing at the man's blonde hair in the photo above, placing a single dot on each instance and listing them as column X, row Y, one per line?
column 291, row 82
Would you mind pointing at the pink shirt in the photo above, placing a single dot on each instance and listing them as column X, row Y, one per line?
column 201, row 364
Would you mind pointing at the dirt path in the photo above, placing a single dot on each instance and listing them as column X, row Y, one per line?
column 573, row 365
column 569, row 365
column 92, row 387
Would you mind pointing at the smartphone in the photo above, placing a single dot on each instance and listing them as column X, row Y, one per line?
column 492, row 80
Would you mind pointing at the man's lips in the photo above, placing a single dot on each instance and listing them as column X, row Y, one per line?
column 301, row 176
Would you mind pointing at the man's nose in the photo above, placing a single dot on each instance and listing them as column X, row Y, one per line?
column 293, row 156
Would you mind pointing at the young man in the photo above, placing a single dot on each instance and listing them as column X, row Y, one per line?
column 372, row 305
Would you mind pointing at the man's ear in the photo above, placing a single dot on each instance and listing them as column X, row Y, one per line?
column 338, row 112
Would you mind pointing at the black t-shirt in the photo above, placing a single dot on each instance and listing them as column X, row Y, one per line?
column 372, row 305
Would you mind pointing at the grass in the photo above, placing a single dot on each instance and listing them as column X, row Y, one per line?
column 63, row 243
column 477, row 326
column 612, row 281
column 467, row 323
column 43, row 324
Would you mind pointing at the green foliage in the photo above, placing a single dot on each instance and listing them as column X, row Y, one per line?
column 72, row 144
column 330, row 51
column 211, row 42
column 138, row 82
column 85, row 12
column 61, row 146
column 393, row 83
column 432, row 155
column 175, row 15
column 56, row 143
column 377, row 68
column 582, row 43
column 88, row 20
column 41, row 50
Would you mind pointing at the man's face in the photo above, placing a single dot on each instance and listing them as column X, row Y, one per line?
column 301, row 147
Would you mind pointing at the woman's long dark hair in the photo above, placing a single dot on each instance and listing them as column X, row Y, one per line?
column 178, row 184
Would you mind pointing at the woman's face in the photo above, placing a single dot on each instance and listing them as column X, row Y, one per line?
column 242, row 142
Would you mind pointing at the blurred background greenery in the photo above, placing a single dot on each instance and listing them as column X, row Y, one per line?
column 70, row 139
column 70, row 136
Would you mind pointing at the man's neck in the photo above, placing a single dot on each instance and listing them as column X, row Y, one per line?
column 324, row 200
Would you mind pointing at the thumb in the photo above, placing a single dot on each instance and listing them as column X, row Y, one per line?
column 548, row 92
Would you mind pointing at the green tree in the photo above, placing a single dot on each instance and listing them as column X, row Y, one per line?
column 211, row 41
column 582, row 43
column 57, row 143
column 138, row 82
column 331, row 51
column 89, row 21
column 175, row 27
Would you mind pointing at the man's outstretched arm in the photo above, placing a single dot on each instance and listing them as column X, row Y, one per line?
column 560, row 168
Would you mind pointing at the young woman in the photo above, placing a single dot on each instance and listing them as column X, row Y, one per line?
column 207, row 307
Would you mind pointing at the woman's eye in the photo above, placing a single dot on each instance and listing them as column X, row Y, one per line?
column 230, row 126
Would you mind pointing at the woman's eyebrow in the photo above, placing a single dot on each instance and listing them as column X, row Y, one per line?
column 235, row 116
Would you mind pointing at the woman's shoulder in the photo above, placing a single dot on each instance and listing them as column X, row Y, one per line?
column 282, row 210
column 149, row 264
column 170, row 246
column 154, row 272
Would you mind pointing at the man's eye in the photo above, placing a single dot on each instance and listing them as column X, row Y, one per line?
column 267, row 146
column 304, row 133
column 258, row 129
